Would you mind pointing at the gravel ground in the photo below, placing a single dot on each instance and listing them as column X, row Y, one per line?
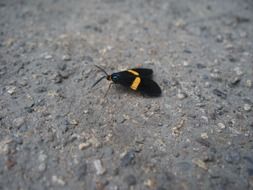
column 58, row 133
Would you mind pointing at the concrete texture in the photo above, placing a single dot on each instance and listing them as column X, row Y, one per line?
column 58, row 133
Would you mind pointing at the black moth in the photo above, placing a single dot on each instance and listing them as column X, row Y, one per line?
column 137, row 79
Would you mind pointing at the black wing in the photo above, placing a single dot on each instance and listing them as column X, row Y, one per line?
column 149, row 87
column 124, row 78
column 143, row 72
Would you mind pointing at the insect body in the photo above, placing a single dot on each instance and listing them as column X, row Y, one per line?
column 138, row 79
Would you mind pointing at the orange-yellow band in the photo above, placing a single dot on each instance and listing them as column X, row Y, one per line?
column 136, row 83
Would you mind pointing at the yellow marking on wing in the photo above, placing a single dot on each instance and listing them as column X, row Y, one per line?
column 136, row 83
column 133, row 72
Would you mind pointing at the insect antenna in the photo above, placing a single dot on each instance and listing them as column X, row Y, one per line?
column 101, row 77
column 102, row 70
column 98, row 81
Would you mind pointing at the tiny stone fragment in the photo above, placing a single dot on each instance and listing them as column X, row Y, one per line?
column 248, row 83
column 216, row 76
column 204, row 136
column 235, row 81
column 185, row 63
column 47, row 56
column 83, row 146
column 220, row 93
column 200, row 66
column 42, row 167
column 238, row 71
column 247, row 107
column 100, row 170
column 127, row 159
column 176, row 130
column 203, row 142
column 219, row 38
column 181, row 95
column 17, row 122
column 58, row 180
column 221, row 125
column 200, row 164
column 11, row 89
column 150, row 183
column 66, row 58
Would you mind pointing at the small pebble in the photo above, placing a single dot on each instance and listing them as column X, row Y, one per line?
column 221, row 125
column 238, row 71
column 235, row 81
column 66, row 58
column 174, row 82
column 185, row 63
column 216, row 76
column 204, row 136
column 58, row 180
column 247, row 107
column 219, row 38
column 150, row 183
column 180, row 23
column 220, row 93
column 42, row 167
column 17, row 122
column 57, row 78
column 200, row 66
column 100, row 170
column 11, row 89
column 4, row 146
column 83, row 146
column 181, row 95
column 200, row 164
column 42, row 157
column 229, row 46
column 207, row 85
column 72, row 122
column 187, row 51
column 23, row 82
column 203, row 142
column 248, row 83
column 48, row 57
column 128, row 159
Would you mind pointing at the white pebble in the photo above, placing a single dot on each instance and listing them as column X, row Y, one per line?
column 221, row 126
column 249, row 83
column 100, row 170
column 11, row 89
column 84, row 145
column 238, row 71
column 181, row 95
column 204, row 136
column 247, row 107
column 57, row 180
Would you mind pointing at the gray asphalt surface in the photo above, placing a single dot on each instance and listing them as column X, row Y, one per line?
column 58, row 133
